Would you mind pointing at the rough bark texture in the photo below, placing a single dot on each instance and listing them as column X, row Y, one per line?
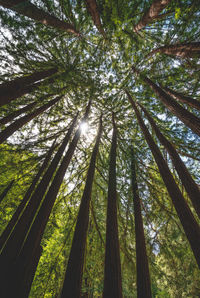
column 9, row 130
column 20, row 86
column 93, row 10
column 19, row 233
column 112, row 270
column 143, row 276
column 16, row 113
column 194, row 103
column 30, row 10
column 6, row 190
column 73, row 277
column 152, row 14
column 189, row 224
column 6, row 233
column 186, row 179
column 20, row 269
column 184, row 50
column 189, row 119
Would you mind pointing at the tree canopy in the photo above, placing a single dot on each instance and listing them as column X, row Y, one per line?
column 99, row 109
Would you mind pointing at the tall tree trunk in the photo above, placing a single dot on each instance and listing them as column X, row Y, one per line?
column 143, row 276
column 16, row 113
column 194, row 103
column 93, row 10
column 20, row 86
column 189, row 119
column 20, row 270
column 19, row 233
column 189, row 224
column 6, row 190
column 30, row 10
column 186, row 179
column 152, row 14
column 184, row 50
column 112, row 270
column 32, row 267
column 9, row 130
column 6, row 233
column 74, row 272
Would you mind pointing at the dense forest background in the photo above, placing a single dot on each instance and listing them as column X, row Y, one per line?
column 135, row 65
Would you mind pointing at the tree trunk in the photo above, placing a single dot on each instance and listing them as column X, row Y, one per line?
column 31, row 11
column 20, row 86
column 112, row 270
column 143, row 276
column 19, row 233
column 152, row 14
column 34, row 237
column 194, row 103
column 16, row 113
column 74, row 272
column 186, row 179
column 189, row 224
column 9, row 130
column 93, row 10
column 6, row 233
column 185, row 50
column 6, row 190
column 189, row 119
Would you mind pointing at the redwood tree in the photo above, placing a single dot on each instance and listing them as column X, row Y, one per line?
column 186, row 179
column 20, row 86
column 184, row 50
column 20, row 268
column 16, row 113
column 189, row 119
column 152, row 14
column 189, row 224
column 143, row 276
column 9, row 130
column 112, row 269
column 74, row 271
column 28, row 9
column 5, row 235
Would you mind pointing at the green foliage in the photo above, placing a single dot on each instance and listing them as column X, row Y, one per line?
column 90, row 67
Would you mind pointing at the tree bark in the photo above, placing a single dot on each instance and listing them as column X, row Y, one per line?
column 194, row 103
column 6, row 190
column 74, row 272
column 93, row 10
column 185, row 50
column 13, row 127
column 16, row 113
column 189, row 119
column 35, row 234
column 20, row 86
column 186, row 179
column 189, row 224
column 112, row 269
column 19, row 233
column 6, row 233
column 143, row 276
column 152, row 14
column 31, row 11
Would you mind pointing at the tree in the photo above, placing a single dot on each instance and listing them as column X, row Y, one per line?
column 20, row 86
column 30, row 10
column 188, row 118
column 92, row 47
column 180, row 50
column 143, row 276
column 112, row 276
column 186, row 217
column 74, row 271
column 152, row 14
